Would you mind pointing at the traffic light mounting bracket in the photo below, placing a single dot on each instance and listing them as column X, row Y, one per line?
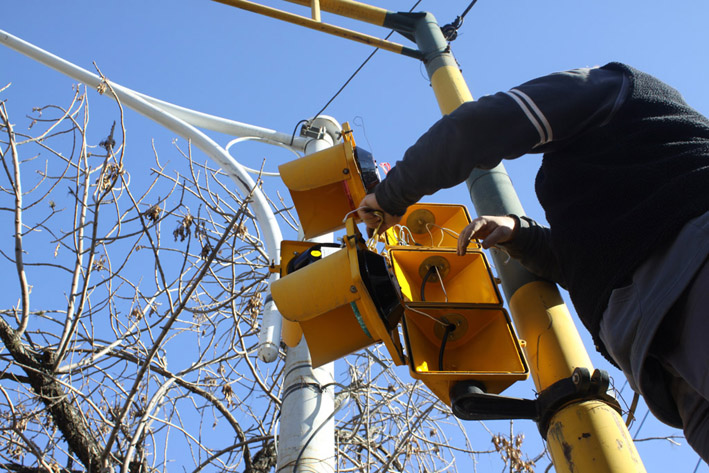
column 470, row 402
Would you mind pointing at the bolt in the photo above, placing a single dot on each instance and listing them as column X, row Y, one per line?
column 576, row 379
column 353, row 289
column 345, row 171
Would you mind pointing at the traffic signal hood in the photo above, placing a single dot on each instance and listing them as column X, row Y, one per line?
column 441, row 276
column 328, row 185
column 343, row 302
column 446, row 345
column 430, row 225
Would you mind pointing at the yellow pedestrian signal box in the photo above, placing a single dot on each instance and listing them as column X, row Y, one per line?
column 343, row 301
column 328, row 185
column 454, row 325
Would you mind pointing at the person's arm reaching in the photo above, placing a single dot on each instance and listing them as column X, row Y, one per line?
column 521, row 237
column 533, row 117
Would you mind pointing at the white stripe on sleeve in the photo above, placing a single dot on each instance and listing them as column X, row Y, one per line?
column 534, row 115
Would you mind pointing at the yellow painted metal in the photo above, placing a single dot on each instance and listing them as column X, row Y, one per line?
column 466, row 279
column 554, row 347
column 319, row 297
column 350, row 9
column 291, row 333
column 460, row 292
column 325, row 186
column 483, row 347
column 302, row 295
column 315, row 9
column 316, row 25
column 590, row 437
column 331, row 302
column 431, row 225
column 450, row 88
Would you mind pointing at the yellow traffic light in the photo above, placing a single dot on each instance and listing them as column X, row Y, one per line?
column 446, row 345
column 293, row 255
column 440, row 275
column 343, row 302
column 454, row 325
column 328, row 185
column 430, row 225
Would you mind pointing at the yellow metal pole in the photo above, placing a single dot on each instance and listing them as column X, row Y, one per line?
column 584, row 436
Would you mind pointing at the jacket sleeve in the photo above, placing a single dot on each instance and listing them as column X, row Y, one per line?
column 534, row 117
column 532, row 247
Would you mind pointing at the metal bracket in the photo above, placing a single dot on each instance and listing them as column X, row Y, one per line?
column 469, row 400
column 311, row 131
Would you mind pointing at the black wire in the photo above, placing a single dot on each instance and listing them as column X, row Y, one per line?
column 292, row 138
column 637, row 432
column 431, row 271
column 467, row 10
column 359, row 69
column 449, row 329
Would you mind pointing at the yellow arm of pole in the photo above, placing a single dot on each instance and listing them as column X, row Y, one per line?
column 350, row 9
column 324, row 27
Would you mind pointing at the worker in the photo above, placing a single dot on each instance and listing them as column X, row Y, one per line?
column 624, row 183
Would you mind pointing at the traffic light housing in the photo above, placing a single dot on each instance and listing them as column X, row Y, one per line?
column 455, row 328
column 430, row 225
column 440, row 275
column 328, row 185
column 343, row 302
column 480, row 345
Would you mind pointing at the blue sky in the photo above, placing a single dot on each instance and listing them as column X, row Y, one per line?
column 257, row 70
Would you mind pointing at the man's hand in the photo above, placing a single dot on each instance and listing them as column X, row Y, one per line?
column 366, row 213
column 491, row 230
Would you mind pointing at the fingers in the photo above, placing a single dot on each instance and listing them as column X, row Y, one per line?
column 366, row 210
column 491, row 230
column 498, row 235
column 471, row 231
column 374, row 217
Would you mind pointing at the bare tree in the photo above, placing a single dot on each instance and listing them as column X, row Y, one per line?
column 130, row 321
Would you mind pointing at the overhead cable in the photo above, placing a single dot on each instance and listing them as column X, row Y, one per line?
column 358, row 69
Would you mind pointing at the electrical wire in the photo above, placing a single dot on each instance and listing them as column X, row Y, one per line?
column 431, row 271
column 356, row 71
column 449, row 329
column 413, row 309
column 292, row 136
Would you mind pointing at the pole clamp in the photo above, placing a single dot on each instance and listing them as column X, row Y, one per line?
column 469, row 400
